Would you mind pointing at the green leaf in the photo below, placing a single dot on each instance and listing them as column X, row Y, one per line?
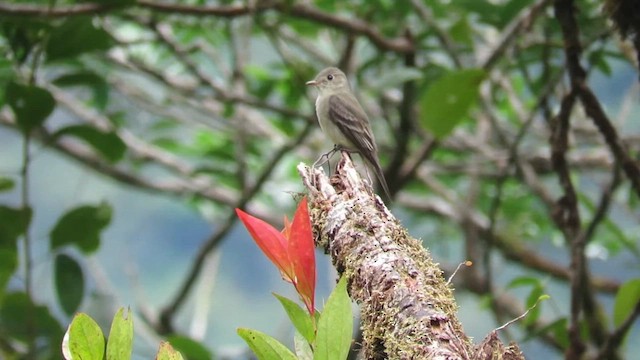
column 114, row 2
column 170, row 144
column 299, row 317
column 335, row 327
column 13, row 223
column 18, row 311
column 627, row 299
column 69, row 282
column 8, row 265
column 7, row 74
column 191, row 349
column 599, row 59
column 23, row 36
column 212, row 144
column 6, row 184
column 521, row 281
column 536, row 294
column 260, row 81
column 618, row 238
column 85, row 339
column 284, row 124
column 81, row 227
column 93, row 81
column 264, row 346
column 448, row 100
column 120, row 343
column 498, row 15
column 462, row 31
column 166, row 352
column 302, row 347
column 32, row 105
column 558, row 328
column 75, row 36
column 326, row 5
column 108, row 144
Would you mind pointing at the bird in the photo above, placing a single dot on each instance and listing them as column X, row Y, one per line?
column 344, row 121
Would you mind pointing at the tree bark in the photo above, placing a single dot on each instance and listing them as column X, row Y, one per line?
column 407, row 308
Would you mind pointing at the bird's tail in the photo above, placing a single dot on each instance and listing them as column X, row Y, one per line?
column 375, row 165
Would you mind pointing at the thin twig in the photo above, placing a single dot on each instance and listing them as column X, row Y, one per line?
column 299, row 10
column 520, row 23
column 168, row 312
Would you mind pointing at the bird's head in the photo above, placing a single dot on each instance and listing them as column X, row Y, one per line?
column 330, row 79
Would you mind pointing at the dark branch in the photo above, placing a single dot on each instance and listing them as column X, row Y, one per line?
column 303, row 11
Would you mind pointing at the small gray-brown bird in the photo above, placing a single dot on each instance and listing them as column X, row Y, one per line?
column 344, row 121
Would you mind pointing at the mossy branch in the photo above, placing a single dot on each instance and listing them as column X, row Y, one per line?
column 407, row 308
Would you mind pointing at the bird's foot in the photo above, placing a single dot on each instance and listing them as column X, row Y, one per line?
column 324, row 158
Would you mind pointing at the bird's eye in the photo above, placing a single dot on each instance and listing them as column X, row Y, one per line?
column 329, row 77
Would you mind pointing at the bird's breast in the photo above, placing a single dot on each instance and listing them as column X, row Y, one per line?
column 328, row 125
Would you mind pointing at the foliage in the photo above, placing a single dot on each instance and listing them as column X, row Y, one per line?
column 84, row 340
column 497, row 122
column 330, row 340
column 291, row 250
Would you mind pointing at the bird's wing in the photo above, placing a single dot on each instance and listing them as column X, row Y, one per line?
column 353, row 123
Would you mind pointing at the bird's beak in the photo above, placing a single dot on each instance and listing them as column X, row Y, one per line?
column 312, row 83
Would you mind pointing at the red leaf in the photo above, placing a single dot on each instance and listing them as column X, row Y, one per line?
column 287, row 227
column 271, row 242
column 291, row 250
column 302, row 254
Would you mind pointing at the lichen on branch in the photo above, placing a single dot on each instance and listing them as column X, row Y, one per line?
column 407, row 307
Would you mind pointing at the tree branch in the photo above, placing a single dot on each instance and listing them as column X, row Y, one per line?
column 407, row 308
column 167, row 314
column 521, row 23
column 179, row 187
column 511, row 250
column 303, row 11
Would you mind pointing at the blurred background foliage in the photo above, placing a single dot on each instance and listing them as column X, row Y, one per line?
column 132, row 129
